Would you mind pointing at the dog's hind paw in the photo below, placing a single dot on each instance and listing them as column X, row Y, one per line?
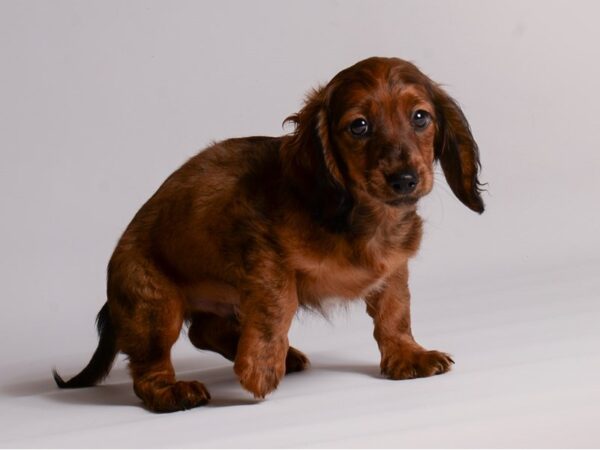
column 295, row 361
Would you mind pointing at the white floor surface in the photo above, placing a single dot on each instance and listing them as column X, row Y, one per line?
column 526, row 375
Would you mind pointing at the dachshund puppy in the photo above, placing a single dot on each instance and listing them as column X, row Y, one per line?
column 250, row 229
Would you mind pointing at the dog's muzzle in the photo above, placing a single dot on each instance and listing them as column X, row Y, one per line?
column 404, row 182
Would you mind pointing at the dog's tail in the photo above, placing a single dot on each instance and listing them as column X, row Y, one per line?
column 101, row 361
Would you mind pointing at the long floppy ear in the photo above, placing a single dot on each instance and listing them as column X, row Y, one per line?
column 312, row 160
column 457, row 151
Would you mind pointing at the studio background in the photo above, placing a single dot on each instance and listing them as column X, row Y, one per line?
column 101, row 101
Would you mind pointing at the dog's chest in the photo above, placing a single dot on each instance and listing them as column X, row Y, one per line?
column 342, row 274
column 351, row 267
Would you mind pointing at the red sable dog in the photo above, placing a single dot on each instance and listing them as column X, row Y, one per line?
column 250, row 229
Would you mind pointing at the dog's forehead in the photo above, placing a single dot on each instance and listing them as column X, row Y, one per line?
column 375, row 71
column 390, row 91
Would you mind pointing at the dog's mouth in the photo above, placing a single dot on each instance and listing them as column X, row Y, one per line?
column 403, row 201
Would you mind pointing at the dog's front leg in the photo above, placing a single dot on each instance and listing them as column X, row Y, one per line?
column 266, row 311
column 401, row 356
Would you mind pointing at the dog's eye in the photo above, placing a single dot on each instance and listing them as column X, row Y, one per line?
column 359, row 127
column 421, row 119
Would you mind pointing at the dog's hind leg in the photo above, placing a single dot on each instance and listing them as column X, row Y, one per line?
column 221, row 334
column 295, row 361
column 215, row 333
column 148, row 313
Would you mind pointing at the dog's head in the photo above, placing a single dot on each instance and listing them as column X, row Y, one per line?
column 377, row 128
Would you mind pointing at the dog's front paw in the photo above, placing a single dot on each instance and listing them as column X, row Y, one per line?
column 406, row 363
column 259, row 376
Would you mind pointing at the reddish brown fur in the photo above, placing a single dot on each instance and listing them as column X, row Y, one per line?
column 250, row 229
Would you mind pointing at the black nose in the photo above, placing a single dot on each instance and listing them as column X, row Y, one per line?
column 403, row 182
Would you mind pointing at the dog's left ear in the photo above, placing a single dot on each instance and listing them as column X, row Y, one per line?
column 457, row 151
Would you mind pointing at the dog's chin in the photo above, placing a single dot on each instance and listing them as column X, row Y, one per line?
column 406, row 200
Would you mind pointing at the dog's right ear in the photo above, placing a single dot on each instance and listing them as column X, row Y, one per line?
column 310, row 142
column 310, row 156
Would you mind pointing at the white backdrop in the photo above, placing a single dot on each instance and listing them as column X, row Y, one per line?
column 100, row 101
